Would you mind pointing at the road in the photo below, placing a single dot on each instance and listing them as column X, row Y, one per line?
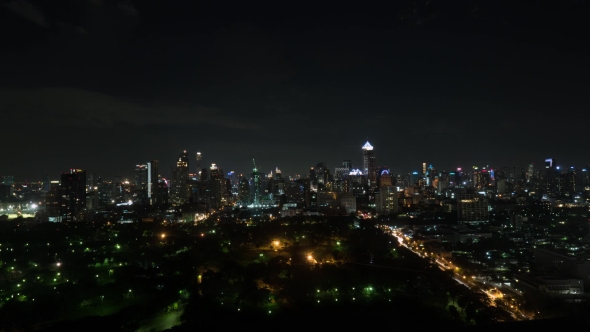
column 463, row 279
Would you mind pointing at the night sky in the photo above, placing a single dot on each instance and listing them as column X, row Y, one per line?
column 106, row 85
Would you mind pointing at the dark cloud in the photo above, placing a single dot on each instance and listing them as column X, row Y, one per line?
column 28, row 11
column 76, row 107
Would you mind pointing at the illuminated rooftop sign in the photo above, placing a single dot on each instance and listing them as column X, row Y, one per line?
column 355, row 172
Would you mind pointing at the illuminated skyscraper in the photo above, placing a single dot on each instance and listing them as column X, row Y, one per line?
column 179, row 191
column 369, row 168
column 198, row 165
column 141, row 177
column 256, row 185
column 152, row 183
column 551, row 176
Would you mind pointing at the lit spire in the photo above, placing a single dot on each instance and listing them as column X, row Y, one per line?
column 367, row 146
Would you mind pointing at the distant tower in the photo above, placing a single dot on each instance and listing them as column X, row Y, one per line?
column 199, row 159
column 369, row 168
column 152, row 183
column 244, row 191
column 256, row 184
column 141, row 177
column 179, row 180
column 73, row 194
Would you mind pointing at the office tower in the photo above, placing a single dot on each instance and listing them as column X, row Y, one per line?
column 567, row 182
column 160, row 194
column 179, row 190
column 413, row 178
column 53, row 201
column 340, row 172
column 386, row 200
column 369, row 168
column 256, row 185
column 278, row 174
column 384, row 178
column 530, row 172
column 551, row 176
column 472, row 209
column 244, row 191
column 91, row 181
column 216, row 186
column 423, row 169
column 214, row 172
column 73, row 194
column 141, row 177
column 198, row 164
column 444, row 182
column 152, row 183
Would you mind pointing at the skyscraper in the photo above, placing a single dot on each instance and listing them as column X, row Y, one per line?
column 551, row 176
column 141, row 177
column 198, row 164
column 369, row 168
column 179, row 191
column 152, row 183
column 256, row 185
column 73, row 194
column 244, row 191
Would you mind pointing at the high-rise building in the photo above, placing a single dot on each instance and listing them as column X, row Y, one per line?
column 256, row 185
column 152, row 183
column 386, row 200
column 551, row 176
column 73, row 194
column 198, row 165
column 179, row 190
column 384, row 178
column 369, row 168
column 530, row 172
column 52, row 202
column 141, row 177
column 216, row 186
column 340, row 172
column 244, row 191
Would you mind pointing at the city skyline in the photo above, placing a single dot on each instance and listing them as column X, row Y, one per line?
column 450, row 84
column 166, row 168
column 166, row 164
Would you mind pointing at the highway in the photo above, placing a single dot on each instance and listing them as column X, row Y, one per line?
column 463, row 279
